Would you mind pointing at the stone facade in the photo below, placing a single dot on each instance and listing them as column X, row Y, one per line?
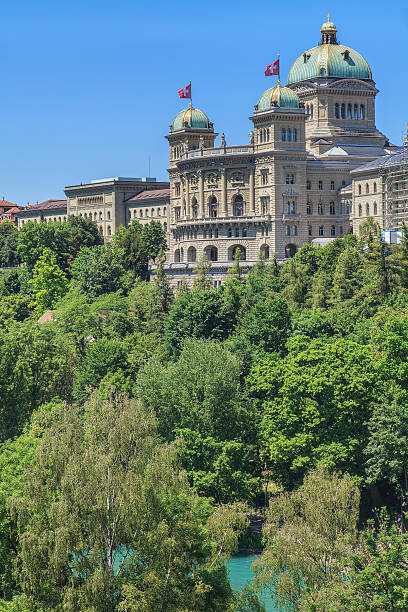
column 287, row 186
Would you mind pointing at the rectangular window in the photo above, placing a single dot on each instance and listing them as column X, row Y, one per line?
column 321, row 230
column 308, row 208
column 177, row 189
column 332, row 186
column 320, row 209
column 265, row 205
column 309, row 230
column 332, row 208
column 320, row 185
column 290, row 179
column 333, row 230
column 288, row 230
column 283, row 135
column 264, row 177
column 308, row 185
column 294, row 135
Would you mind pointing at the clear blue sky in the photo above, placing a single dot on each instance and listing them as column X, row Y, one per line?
column 88, row 89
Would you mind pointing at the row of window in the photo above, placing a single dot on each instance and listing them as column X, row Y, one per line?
column 367, row 188
column 212, row 253
column 368, row 210
column 96, row 215
column 153, row 213
column 320, row 185
column 349, row 111
column 209, row 233
column 332, row 209
column 289, row 135
column 264, row 135
column 292, row 230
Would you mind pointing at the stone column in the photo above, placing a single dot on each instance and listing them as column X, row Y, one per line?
column 201, row 193
column 188, row 205
column 251, row 191
column 224, row 211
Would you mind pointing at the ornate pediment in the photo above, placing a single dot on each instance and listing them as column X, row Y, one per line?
column 351, row 84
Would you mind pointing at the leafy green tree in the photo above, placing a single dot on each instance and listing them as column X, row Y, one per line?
column 13, row 281
column 13, row 308
column 197, row 314
column 134, row 249
column 347, row 279
column 200, row 391
column 107, row 520
column 83, row 233
column 33, row 238
column 373, row 578
column 219, row 469
column 98, row 270
column 202, row 280
column 307, row 534
column 154, row 237
column 49, row 283
column 8, row 245
column 36, row 365
column 316, row 404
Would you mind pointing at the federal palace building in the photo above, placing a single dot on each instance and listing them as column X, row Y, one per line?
column 315, row 166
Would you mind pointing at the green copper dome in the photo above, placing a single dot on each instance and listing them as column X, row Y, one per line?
column 329, row 59
column 278, row 96
column 191, row 118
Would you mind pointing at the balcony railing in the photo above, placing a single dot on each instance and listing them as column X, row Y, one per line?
column 218, row 152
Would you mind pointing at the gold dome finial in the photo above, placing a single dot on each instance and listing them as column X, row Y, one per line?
column 328, row 31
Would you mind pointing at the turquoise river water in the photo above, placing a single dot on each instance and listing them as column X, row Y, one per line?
column 240, row 574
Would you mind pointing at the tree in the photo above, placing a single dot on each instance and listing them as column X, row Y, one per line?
column 307, row 534
column 200, row 391
column 33, row 238
column 8, row 245
column 107, row 520
column 347, row 279
column 134, row 248
column 36, row 364
column 83, row 233
column 315, row 404
column 154, row 237
column 49, row 283
column 98, row 270
column 372, row 579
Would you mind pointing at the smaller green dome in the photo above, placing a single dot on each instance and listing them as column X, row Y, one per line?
column 192, row 118
column 284, row 97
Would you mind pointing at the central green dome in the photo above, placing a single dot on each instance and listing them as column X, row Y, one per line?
column 329, row 59
column 284, row 97
column 192, row 118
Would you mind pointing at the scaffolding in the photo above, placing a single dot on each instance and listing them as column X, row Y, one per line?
column 395, row 193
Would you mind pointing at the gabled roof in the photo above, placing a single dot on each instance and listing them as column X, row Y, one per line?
column 154, row 194
column 5, row 204
column 387, row 160
column 47, row 205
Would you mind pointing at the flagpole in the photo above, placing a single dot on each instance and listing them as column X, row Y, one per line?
column 191, row 98
column 279, row 69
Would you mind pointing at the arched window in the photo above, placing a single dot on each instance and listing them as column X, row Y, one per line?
column 349, row 111
column 367, row 210
column 109, row 215
column 360, row 210
column 194, row 208
column 362, row 111
column 367, row 188
column 359, row 190
column 311, row 111
column 289, row 135
column 140, row 213
column 375, row 209
column 333, row 230
column 235, row 250
column 109, row 230
column 146, row 212
column 375, row 187
column 343, row 111
column 295, row 230
column 238, row 206
column 95, row 216
column 100, row 215
column 356, row 111
column 177, row 255
column 213, row 208
column 294, row 135
column 283, row 134
column 212, row 253
column 191, row 254
column 337, row 111
column 101, row 230
column 152, row 212
column 265, row 251
column 159, row 212
column 181, row 254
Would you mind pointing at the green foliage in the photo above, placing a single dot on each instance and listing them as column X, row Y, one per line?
column 107, row 520
column 198, row 314
column 200, row 391
column 216, row 469
column 49, row 283
column 98, row 270
column 8, row 245
column 316, row 404
column 13, row 308
column 307, row 534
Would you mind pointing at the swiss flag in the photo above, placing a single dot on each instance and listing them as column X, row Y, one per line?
column 185, row 92
column 272, row 69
